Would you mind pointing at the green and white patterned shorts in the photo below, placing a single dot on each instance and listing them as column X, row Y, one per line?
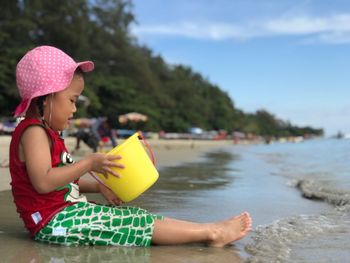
column 94, row 224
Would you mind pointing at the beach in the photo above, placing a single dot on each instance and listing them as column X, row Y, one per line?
column 168, row 153
column 296, row 193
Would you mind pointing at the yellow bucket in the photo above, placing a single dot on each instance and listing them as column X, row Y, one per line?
column 138, row 174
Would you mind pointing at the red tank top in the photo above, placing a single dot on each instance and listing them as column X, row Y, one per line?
column 36, row 209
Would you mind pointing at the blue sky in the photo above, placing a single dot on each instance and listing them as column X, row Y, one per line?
column 290, row 57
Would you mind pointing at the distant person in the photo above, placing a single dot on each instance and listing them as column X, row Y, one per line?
column 96, row 134
column 88, row 137
column 47, row 183
column 102, row 129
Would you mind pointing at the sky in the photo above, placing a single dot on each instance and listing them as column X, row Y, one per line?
column 289, row 57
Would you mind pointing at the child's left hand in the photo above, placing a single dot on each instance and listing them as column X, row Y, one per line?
column 109, row 195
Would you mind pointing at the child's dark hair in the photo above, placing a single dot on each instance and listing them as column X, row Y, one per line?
column 79, row 72
column 40, row 104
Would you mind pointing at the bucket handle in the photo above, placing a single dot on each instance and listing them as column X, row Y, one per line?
column 147, row 146
column 98, row 179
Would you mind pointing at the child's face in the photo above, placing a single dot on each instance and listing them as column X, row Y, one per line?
column 61, row 106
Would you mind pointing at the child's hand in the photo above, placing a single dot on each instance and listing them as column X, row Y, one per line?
column 109, row 195
column 102, row 163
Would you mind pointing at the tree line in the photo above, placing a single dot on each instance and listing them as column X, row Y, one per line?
column 128, row 76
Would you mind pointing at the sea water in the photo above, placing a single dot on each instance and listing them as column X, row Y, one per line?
column 297, row 193
column 320, row 171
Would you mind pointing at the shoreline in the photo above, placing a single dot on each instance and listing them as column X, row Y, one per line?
column 167, row 152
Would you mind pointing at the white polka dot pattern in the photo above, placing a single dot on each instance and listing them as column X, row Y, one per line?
column 44, row 70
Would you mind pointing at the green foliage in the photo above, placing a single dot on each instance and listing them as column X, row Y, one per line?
column 127, row 77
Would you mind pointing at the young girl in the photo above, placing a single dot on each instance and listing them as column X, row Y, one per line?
column 46, row 182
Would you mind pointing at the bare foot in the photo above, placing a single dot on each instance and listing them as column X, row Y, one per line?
column 231, row 230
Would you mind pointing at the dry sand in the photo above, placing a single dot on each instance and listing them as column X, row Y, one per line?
column 166, row 152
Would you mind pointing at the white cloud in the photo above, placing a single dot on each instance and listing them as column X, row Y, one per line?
column 309, row 25
column 333, row 29
column 214, row 31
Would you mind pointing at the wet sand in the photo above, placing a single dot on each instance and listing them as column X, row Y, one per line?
column 16, row 246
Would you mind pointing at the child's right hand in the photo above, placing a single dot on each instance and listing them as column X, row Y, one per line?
column 102, row 163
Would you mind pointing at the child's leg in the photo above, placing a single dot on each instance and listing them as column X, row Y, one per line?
column 218, row 234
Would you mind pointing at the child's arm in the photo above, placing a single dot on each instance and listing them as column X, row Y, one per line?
column 35, row 152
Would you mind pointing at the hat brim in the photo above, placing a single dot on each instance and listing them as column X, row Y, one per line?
column 22, row 108
column 86, row 66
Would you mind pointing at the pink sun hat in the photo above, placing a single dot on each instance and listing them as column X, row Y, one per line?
column 44, row 70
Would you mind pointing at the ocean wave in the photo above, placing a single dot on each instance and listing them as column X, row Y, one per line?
column 316, row 190
column 281, row 240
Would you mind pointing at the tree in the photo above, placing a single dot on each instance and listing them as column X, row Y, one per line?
column 127, row 76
